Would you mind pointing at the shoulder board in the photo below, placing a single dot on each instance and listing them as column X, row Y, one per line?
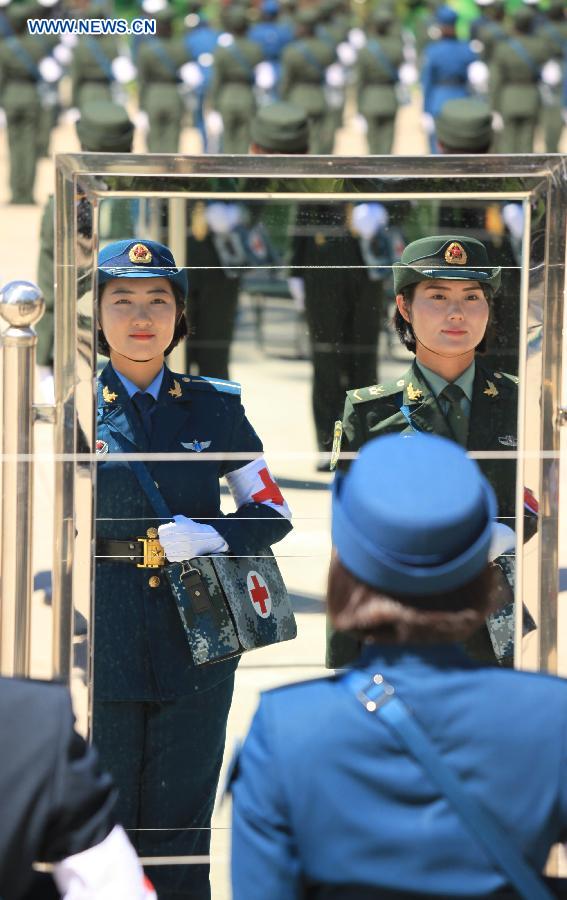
column 376, row 391
column 510, row 379
column 200, row 383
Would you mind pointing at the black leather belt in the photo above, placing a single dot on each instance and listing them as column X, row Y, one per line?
column 146, row 553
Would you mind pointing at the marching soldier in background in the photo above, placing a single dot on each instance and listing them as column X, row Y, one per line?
column 444, row 74
column 515, row 72
column 103, row 127
column 91, row 69
column 489, row 29
column 271, row 36
column 200, row 42
column 377, row 76
column 553, row 29
column 304, row 66
column 20, row 56
column 159, row 61
column 232, row 87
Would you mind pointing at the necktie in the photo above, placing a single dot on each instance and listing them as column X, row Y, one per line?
column 456, row 418
column 144, row 403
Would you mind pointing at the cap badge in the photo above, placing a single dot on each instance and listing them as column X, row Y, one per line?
column 140, row 255
column 414, row 393
column 491, row 390
column 175, row 391
column 107, row 395
column 455, row 254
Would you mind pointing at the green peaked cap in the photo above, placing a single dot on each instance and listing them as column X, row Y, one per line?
column 464, row 124
column 281, row 128
column 104, row 127
column 452, row 256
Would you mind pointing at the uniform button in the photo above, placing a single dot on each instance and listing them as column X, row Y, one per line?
column 154, row 581
column 152, row 533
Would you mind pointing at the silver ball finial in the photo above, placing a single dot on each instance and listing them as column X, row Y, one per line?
column 21, row 303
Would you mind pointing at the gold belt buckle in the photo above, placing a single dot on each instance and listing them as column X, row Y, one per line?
column 154, row 554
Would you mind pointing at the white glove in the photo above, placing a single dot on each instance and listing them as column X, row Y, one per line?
column 428, row 123
column 335, row 76
column 367, row 218
column 225, row 39
column 513, row 218
column 346, row 54
column 71, row 115
column 183, row 539
column 478, row 75
column 503, row 540
column 213, row 121
column 264, row 76
column 49, row 69
column 69, row 39
column 223, row 217
column 551, row 73
column 497, row 121
column 142, row 121
column 297, row 290
column 191, row 75
column 205, row 60
column 123, row 69
column 359, row 123
column 408, row 74
column 151, row 7
column 63, row 54
column 2, row 118
column 357, row 38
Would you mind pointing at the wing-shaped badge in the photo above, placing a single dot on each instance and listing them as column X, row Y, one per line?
column 197, row 446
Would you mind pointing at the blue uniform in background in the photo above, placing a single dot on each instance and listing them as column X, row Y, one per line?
column 201, row 43
column 444, row 75
column 325, row 794
column 158, row 721
column 272, row 38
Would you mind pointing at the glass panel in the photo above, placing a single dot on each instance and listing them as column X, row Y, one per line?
column 291, row 295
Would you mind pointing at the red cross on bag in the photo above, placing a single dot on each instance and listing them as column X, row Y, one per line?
column 259, row 594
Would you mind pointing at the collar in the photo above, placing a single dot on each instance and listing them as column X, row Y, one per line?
column 438, row 384
column 416, row 655
column 132, row 388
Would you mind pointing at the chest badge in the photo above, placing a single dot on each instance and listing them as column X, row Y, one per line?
column 491, row 390
column 101, row 447
column 414, row 393
column 107, row 395
column 175, row 391
column 197, row 446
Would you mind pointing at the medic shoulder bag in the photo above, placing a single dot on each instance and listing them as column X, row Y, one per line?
column 227, row 604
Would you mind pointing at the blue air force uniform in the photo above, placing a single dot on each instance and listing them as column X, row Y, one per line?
column 159, row 722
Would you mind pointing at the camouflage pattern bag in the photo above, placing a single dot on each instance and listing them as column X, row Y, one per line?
column 229, row 605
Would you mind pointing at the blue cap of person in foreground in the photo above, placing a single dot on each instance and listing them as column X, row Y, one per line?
column 413, row 516
column 140, row 258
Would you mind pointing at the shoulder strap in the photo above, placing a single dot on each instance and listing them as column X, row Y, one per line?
column 310, row 58
column 159, row 50
column 526, row 57
column 23, row 56
column 238, row 55
column 148, row 486
column 378, row 696
column 100, row 57
column 557, row 38
column 379, row 55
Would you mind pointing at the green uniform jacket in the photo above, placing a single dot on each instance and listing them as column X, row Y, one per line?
column 233, row 76
column 303, row 74
column 46, row 284
column 158, row 63
column 376, row 79
column 377, row 410
column 90, row 67
column 18, row 73
column 513, row 81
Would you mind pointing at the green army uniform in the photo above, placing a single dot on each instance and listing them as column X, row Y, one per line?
column 553, row 30
column 91, row 69
column 19, row 97
column 158, row 63
column 304, row 64
column 49, row 96
column 514, row 76
column 489, row 29
column 377, row 75
column 487, row 412
column 333, row 30
column 232, row 93
column 103, row 127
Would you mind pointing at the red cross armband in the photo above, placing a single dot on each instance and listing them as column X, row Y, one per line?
column 254, row 483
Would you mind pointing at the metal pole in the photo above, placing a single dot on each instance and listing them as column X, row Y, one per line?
column 21, row 305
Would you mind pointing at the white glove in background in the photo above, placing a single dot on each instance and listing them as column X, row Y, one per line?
column 123, row 69
column 368, row 218
column 427, row 123
column 71, row 115
column 141, row 121
column 191, row 75
column 2, row 118
column 265, row 76
column 184, row 538
column 107, row 871
column 214, row 123
column 297, row 290
column 503, row 540
column 49, row 69
column 223, row 217
column 497, row 121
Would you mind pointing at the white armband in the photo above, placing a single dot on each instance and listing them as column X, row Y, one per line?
column 253, row 483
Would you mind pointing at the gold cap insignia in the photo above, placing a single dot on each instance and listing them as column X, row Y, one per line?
column 455, row 254
column 175, row 391
column 140, row 255
column 414, row 393
column 107, row 395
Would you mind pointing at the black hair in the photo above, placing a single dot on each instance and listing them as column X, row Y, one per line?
column 404, row 329
column 179, row 332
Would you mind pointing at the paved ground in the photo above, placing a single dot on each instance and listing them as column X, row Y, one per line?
column 277, row 392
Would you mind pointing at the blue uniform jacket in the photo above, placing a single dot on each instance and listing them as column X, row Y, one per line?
column 324, row 793
column 141, row 652
column 444, row 73
column 271, row 37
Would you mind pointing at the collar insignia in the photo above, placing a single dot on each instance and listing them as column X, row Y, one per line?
column 336, row 451
column 414, row 393
column 175, row 391
column 197, row 446
column 491, row 391
column 139, row 255
column 507, row 440
column 101, row 447
column 455, row 254
column 107, row 395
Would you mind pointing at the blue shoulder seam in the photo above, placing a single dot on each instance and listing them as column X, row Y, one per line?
column 202, row 383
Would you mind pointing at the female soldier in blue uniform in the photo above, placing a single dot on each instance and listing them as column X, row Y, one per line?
column 159, row 722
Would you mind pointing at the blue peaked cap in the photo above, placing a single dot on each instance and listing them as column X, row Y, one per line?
column 446, row 16
column 413, row 515
column 140, row 258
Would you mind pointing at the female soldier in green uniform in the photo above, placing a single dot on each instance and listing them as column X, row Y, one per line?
column 444, row 287
column 159, row 721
